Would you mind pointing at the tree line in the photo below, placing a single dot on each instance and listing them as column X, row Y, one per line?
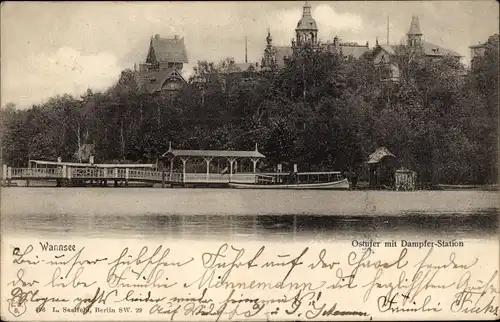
column 321, row 111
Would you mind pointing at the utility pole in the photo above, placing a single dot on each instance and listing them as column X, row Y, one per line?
column 246, row 49
column 388, row 30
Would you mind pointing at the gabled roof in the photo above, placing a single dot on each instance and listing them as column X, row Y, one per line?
column 388, row 49
column 429, row 50
column 435, row 50
column 379, row 154
column 172, row 50
column 214, row 153
column 235, row 68
column 153, row 81
column 281, row 53
column 354, row 50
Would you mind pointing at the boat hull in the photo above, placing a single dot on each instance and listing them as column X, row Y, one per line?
column 333, row 185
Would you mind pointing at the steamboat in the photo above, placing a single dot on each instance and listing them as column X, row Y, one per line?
column 332, row 180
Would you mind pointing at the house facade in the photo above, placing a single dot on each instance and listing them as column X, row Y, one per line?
column 478, row 51
column 383, row 55
column 232, row 73
column 162, row 70
column 306, row 34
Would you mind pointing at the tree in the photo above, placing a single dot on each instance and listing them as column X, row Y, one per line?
column 321, row 111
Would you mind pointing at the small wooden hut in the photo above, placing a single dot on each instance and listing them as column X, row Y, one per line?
column 382, row 166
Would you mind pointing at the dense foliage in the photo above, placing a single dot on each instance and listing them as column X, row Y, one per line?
column 321, row 111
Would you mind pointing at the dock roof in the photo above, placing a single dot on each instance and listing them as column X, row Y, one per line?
column 213, row 153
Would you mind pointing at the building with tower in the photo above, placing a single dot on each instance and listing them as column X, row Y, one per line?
column 274, row 56
column 306, row 34
column 162, row 70
column 383, row 55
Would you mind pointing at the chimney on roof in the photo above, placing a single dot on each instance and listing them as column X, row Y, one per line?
column 157, row 36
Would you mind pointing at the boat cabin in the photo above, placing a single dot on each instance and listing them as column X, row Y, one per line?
column 299, row 177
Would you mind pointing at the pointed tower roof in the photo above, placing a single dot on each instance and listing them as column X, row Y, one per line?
column 269, row 38
column 306, row 22
column 415, row 27
column 168, row 49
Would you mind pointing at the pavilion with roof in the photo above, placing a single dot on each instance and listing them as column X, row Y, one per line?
column 230, row 161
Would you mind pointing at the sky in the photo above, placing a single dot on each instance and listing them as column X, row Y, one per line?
column 50, row 48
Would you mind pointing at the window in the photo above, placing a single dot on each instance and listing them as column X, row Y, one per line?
column 385, row 72
column 171, row 85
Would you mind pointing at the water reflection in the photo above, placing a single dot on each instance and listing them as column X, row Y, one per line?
column 256, row 227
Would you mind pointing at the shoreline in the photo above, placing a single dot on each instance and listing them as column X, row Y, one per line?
column 438, row 187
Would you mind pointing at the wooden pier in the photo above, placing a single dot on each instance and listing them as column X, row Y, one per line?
column 77, row 176
column 90, row 174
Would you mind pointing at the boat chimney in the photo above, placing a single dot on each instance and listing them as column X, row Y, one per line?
column 256, row 149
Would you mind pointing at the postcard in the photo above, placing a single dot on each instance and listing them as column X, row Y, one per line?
column 249, row 161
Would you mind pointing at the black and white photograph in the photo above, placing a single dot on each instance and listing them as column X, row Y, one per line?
column 249, row 161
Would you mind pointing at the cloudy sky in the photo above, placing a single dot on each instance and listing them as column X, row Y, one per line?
column 50, row 48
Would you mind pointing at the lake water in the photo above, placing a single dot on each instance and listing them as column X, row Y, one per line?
column 248, row 214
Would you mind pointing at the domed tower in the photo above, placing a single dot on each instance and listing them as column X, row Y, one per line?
column 306, row 31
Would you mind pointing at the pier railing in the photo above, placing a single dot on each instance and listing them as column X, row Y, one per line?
column 86, row 173
column 74, row 173
column 35, row 172
column 219, row 178
column 148, row 175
